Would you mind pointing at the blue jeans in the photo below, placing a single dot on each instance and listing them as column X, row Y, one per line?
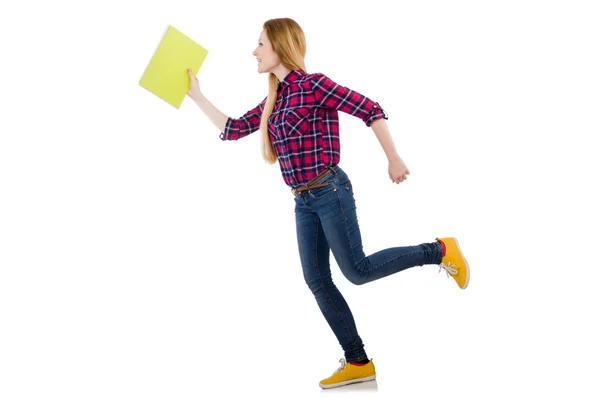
column 326, row 219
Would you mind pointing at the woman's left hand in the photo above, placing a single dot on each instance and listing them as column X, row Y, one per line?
column 398, row 171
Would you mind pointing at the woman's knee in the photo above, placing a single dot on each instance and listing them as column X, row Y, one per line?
column 355, row 276
column 319, row 285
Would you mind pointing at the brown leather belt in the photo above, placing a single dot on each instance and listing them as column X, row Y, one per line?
column 313, row 183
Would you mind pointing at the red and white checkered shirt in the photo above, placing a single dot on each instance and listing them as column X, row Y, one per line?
column 304, row 124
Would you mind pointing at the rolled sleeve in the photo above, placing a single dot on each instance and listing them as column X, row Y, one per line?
column 375, row 113
column 229, row 131
column 330, row 95
column 243, row 126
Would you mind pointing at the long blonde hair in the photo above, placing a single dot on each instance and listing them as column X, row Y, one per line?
column 288, row 42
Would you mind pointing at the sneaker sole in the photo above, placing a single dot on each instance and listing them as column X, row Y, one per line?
column 347, row 382
column 466, row 263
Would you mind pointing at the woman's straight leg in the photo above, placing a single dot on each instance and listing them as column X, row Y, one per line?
column 314, row 255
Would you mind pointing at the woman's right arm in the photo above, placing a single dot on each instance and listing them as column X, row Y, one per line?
column 231, row 129
column 215, row 115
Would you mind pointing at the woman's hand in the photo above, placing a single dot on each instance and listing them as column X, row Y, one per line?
column 398, row 171
column 194, row 91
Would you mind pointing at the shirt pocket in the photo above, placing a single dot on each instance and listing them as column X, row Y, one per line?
column 296, row 121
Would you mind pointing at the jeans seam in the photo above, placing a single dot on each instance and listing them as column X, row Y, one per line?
column 347, row 233
column 393, row 259
column 323, row 285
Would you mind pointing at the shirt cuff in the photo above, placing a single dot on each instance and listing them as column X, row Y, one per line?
column 225, row 135
column 376, row 112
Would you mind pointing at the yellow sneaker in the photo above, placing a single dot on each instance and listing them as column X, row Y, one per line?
column 348, row 373
column 454, row 262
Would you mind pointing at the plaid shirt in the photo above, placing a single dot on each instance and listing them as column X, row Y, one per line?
column 304, row 124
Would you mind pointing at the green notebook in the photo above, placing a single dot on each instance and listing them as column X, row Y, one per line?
column 166, row 75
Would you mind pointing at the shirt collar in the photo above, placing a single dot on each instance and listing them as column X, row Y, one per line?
column 290, row 77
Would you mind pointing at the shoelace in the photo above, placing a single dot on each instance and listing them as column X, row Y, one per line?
column 449, row 268
column 343, row 364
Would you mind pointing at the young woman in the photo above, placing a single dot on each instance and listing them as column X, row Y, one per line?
column 299, row 124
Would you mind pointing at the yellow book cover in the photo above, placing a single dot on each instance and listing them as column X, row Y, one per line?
column 166, row 75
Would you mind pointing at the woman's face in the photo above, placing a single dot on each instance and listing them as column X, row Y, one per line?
column 266, row 57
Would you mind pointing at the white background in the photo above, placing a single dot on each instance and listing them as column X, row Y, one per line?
column 142, row 256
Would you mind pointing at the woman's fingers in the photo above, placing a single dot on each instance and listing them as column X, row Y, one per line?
column 399, row 179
